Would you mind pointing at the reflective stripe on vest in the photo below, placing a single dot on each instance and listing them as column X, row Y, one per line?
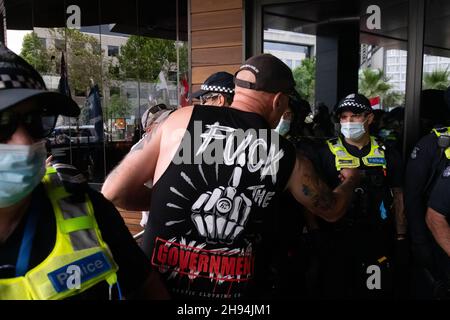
column 79, row 251
column 445, row 132
column 343, row 159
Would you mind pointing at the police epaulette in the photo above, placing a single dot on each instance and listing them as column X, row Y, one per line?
column 380, row 143
column 333, row 140
column 73, row 180
column 441, row 130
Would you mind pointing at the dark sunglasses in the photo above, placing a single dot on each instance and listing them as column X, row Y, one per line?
column 38, row 123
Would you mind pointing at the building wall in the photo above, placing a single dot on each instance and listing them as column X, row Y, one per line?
column 288, row 46
column 217, row 38
column 2, row 22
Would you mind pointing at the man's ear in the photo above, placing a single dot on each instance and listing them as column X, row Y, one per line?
column 280, row 102
column 222, row 101
column 370, row 118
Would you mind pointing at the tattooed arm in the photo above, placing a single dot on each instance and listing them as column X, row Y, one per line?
column 316, row 196
column 124, row 186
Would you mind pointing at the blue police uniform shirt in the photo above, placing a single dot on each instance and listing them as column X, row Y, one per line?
column 439, row 197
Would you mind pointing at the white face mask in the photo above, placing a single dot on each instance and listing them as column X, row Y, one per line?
column 283, row 127
column 21, row 170
column 353, row 130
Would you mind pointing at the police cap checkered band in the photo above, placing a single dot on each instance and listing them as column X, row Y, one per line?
column 355, row 102
column 216, row 89
column 219, row 82
column 10, row 81
column 19, row 82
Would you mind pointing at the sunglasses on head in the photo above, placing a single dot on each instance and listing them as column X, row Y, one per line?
column 38, row 123
column 206, row 97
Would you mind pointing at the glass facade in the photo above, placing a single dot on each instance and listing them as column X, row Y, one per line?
column 115, row 67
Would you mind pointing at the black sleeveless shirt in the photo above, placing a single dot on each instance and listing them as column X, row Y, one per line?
column 210, row 205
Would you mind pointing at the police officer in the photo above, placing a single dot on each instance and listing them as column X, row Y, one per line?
column 438, row 221
column 217, row 90
column 358, row 257
column 428, row 162
column 58, row 238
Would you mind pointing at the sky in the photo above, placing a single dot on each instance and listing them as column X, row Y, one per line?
column 14, row 39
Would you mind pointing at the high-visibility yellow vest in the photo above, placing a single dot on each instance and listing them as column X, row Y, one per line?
column 343, row 159
column 445, row 132
column 79, row 251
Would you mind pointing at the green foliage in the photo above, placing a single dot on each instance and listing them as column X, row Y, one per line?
column 143, row 58
column 118, row 107
column 373, row 83
column 305, row 79
column 438, row 79
column 83, row 58
column 393, row 98
column 34, row 52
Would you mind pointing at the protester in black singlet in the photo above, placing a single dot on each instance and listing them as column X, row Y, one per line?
column 216, row 172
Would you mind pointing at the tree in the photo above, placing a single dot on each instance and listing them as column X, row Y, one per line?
column 84, row 58
column 305, row 79
column 35, row 53
column 393, row 98
column 118, row 107
column 373, row 83
column 143, row 58
column 438, row 79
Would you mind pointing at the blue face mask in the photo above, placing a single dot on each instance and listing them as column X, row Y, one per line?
column 21, row 169
column 283, row 127
column 353, row 130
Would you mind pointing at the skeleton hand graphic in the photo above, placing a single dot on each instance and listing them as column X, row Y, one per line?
column 220, row 215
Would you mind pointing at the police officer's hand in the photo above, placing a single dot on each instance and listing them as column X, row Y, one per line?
column 350, row 174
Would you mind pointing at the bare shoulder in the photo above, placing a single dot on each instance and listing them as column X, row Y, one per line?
column 180, row 114
column 303, row 163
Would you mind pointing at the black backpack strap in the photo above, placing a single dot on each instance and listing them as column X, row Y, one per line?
column 72, row 179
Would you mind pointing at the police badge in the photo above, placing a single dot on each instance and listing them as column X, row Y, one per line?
column 414, row 153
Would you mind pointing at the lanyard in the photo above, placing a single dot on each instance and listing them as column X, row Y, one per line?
column 23, row 259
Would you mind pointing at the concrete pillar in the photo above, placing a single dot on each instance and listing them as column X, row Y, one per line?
column 337, row 61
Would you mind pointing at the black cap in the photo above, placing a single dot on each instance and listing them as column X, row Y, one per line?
column 219, row 82
column 355, row 102
column 272, row 75
column 19, row 81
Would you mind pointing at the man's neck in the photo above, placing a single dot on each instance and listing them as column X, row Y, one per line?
column 361, row 143
column 10, row 217
column 249, row 105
